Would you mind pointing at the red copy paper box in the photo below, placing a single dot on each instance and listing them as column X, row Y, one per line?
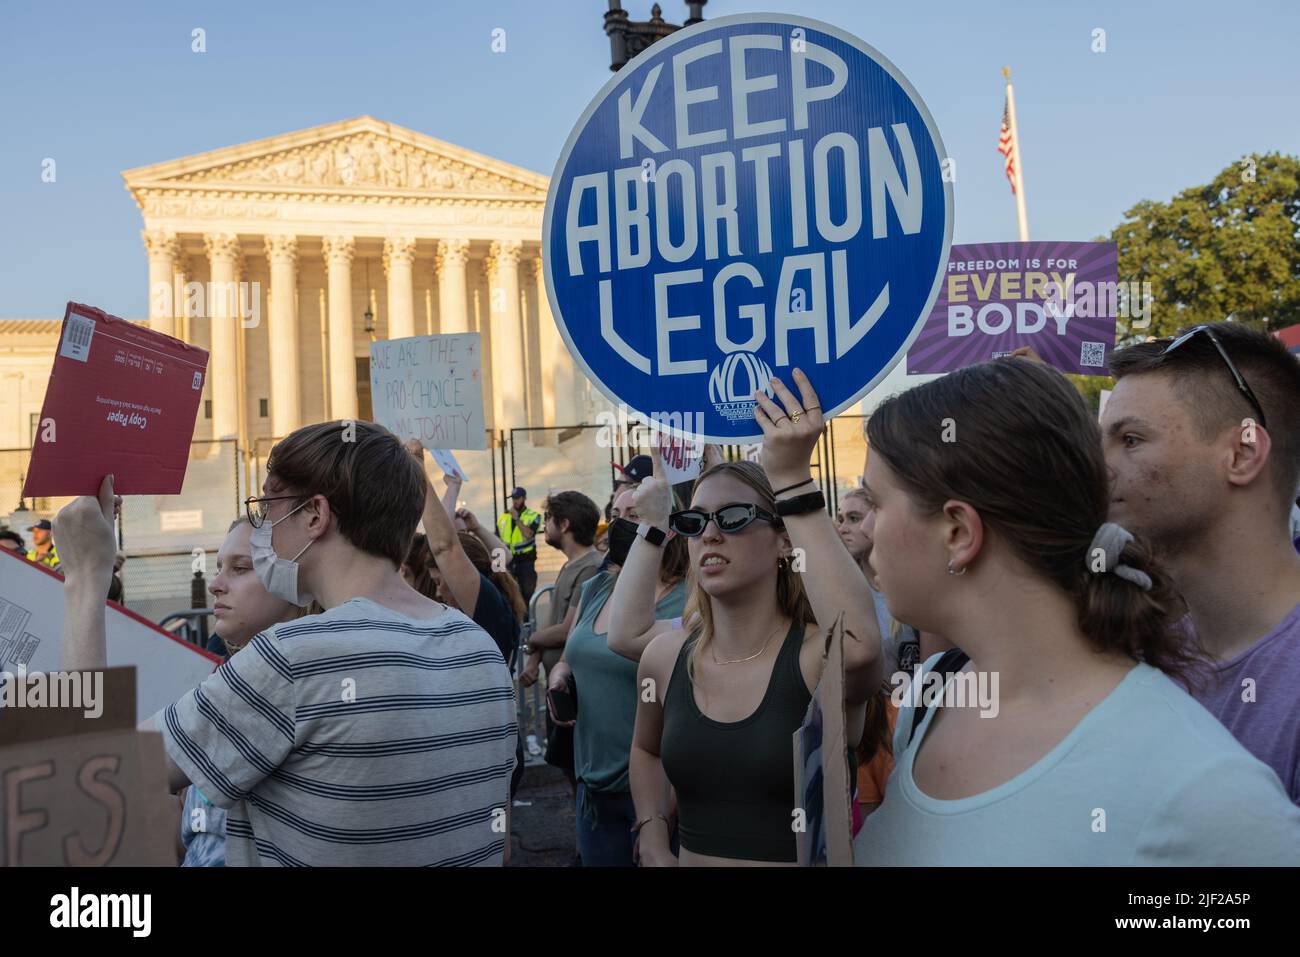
column 121, row 400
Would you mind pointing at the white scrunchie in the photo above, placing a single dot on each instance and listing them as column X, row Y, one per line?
column 1111, row 539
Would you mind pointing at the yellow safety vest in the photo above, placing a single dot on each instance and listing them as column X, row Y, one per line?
column 50, row 559
column 512, row 535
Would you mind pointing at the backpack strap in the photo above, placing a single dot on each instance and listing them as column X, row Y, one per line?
column 950, row 662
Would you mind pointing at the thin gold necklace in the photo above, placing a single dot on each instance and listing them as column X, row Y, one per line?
column 736, row 661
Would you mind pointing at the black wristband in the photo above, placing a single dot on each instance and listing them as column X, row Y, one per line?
column 801, row 504
column 782, row 491
column 655, row 536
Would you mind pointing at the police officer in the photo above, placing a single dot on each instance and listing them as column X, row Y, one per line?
column 42, row 551
column 517, row 529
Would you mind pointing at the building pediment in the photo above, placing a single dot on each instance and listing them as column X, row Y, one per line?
column 362, row 156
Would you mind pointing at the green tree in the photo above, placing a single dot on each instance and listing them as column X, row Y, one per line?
column 1227, row 250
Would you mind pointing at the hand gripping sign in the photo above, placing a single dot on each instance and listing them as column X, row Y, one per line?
column 748, row 195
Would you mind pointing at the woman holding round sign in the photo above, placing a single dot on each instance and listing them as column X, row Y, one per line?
column 720, row 699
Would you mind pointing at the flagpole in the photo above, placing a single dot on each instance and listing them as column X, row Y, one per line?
column 1021, row 215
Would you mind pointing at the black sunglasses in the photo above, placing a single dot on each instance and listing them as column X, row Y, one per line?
column 256, row 510
column 1242, row 387
column 691, row 522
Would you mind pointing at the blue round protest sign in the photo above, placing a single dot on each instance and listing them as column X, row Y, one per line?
column 748, row 195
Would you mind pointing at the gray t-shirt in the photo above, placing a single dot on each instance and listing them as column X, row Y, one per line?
column 1257, row 697
column 1147, row 777
column 568, row 587
column 356, row 737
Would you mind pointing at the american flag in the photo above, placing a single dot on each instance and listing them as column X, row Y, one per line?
column 1007, row 145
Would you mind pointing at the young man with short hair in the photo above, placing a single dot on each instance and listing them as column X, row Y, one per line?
column 381, row 732
column 570, row 525
column 571, row 520
column 1202, row 436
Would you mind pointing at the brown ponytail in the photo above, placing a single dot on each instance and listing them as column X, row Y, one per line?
column 1115, row 613
column 1027, row 457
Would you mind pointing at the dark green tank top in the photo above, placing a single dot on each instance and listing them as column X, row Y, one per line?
column 735, row 781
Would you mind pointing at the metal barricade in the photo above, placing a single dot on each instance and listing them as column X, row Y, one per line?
column 531, row 702
column 190, row 626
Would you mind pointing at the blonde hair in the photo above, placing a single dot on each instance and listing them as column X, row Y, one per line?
column 296, row 612
column 790, row 596
column 856, row 492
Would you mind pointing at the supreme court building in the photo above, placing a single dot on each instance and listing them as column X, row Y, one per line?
column 285, row 257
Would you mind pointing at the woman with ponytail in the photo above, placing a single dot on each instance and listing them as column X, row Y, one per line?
column 1077, row 748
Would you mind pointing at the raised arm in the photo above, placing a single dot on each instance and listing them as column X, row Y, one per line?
column 84, row 530
column 632, row 624
column 453, row 481
column 484, row 534
column 457, row 571
column 834, row 583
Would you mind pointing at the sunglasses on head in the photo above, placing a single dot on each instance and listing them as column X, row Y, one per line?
column 1242, row 386
column 691, row 522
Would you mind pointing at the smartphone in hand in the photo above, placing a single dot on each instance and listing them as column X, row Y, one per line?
column 564, row 703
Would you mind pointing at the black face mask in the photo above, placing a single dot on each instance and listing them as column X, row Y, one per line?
column 622, row 534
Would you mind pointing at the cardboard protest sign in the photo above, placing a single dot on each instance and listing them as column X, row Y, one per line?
column 821, row 767
column 79, row 791
column 122, row 400
column 430, row 388
column 31, row 628
column 1061, row 299
column 447, row 462
column 748, row 195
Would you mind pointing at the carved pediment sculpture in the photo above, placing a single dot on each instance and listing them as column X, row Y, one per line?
column 361, row 160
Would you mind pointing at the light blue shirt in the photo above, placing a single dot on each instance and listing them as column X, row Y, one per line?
column 1175, row 788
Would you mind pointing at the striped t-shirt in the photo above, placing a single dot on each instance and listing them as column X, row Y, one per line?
column 356, row 737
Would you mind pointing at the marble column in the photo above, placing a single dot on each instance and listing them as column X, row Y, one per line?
column 222, row 304
column 399, row 255
column 343, row 368
column 282, row 334
column 557, row 367
column 164, row 252
column 453, row 302
column 508, row 378
column 182, row 273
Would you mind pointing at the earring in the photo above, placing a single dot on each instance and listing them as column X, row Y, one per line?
column 952, row 571
column 780, row 563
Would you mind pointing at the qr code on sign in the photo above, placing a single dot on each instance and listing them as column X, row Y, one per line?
column 1092, row 354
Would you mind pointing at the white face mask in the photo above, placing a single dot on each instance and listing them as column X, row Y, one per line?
column 279, row 576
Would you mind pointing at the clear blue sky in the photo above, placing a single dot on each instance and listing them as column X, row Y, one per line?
column 1183, row 90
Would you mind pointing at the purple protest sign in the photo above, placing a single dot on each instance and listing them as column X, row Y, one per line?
column 1061, row 299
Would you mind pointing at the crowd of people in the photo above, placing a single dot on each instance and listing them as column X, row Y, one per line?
column 44, row 553
column 1133, row 587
